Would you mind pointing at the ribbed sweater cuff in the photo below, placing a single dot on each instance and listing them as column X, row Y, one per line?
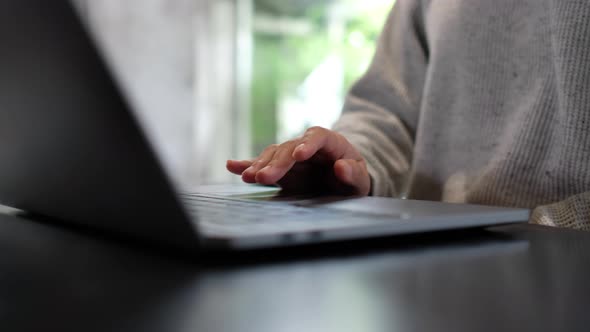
column 573, row 212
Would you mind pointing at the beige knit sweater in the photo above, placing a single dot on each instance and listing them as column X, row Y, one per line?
column 482, row 102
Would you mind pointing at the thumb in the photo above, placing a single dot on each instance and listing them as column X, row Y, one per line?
column 353, row 173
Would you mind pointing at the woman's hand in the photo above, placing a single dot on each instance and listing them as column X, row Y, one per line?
column 320, row 161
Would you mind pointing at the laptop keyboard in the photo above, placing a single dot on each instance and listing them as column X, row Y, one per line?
column 226, row 216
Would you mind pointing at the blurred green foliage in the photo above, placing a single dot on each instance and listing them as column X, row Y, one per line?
column 282, row 62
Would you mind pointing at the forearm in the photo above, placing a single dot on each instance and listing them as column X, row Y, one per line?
column 381, row 111
column 383, row 141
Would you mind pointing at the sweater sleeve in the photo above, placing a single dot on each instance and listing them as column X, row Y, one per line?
column 381, row 111
column 573, row 212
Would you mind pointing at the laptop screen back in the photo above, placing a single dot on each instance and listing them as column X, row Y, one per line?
column 69, row 146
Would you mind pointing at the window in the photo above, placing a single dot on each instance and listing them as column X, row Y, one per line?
column 219, row 79
column 306, row 56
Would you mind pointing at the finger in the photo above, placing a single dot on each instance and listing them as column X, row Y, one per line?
column 353, row 173
column 249, row 174
column 282, row 161
column 332, row 145
column 238, row 166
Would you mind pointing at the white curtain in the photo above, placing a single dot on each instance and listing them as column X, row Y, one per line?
column 179, row 65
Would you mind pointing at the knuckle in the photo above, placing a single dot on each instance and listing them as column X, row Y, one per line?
column 279, row 161
column 289, row 143
column 315, row 130
column 341, row 140
column 269, row 148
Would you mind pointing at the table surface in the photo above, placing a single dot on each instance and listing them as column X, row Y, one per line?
column 510, row 278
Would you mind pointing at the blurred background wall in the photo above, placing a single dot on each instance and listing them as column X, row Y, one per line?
column 218, row 79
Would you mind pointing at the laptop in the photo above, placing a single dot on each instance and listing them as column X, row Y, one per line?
column 72, row 149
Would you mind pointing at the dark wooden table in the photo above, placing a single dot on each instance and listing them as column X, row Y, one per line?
column 511, row 278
